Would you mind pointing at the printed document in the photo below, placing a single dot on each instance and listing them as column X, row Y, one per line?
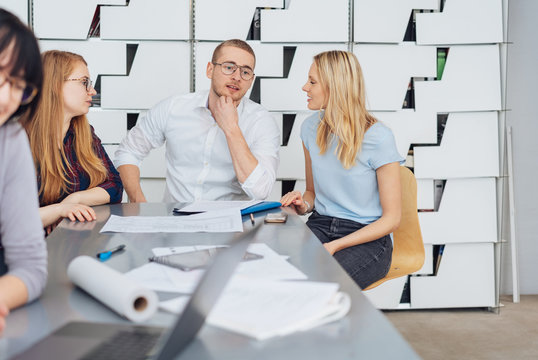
column 225, row 220
column 264, row 309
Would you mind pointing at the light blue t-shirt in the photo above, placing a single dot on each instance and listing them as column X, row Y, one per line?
column 350, row 193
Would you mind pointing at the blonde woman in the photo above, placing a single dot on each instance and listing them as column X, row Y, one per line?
column 352, row 170
column 73, row 169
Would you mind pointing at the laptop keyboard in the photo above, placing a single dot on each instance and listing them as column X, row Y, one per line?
column 130, row 345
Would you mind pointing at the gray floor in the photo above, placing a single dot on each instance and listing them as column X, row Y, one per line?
column 473, row 333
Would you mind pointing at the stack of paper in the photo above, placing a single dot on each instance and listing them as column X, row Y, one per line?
column 264, row 309
column 164, row 278
column 266, row 297
column 222, row 220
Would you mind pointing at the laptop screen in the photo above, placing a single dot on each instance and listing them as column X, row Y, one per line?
column 205, row 297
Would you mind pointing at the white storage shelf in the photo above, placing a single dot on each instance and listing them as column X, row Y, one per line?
column 469, row 92
column 387, row 80
column 146, row 20
column 462, row 22
column 385, row 21
column 465, row 278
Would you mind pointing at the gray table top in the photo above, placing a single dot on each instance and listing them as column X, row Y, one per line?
column 363, row 333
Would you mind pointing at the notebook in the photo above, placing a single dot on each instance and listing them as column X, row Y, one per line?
column 84, row 340
column 264, row 205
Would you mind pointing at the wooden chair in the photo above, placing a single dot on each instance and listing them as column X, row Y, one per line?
column 408, row 249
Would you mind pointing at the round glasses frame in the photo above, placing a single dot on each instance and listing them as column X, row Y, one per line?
column 88, row 84
column 227, row 68
column 22, row 90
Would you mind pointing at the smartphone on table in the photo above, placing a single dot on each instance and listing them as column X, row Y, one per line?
column 196, row 259
column 279, row 217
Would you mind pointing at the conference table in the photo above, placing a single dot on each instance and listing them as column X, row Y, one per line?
column 364, row 333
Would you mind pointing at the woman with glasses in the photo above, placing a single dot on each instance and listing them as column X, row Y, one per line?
column 352, row 170
column 73, row 169
column 23, row 254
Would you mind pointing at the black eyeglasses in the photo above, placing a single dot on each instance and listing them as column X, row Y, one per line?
column 228, row 68
column 20, row 89
column 88, row 84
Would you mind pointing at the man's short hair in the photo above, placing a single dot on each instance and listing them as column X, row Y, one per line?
column 243, row 45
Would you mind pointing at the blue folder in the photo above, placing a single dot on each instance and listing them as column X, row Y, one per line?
column 264, row 205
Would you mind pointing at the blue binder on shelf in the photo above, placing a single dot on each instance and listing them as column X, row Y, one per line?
column 264, row 205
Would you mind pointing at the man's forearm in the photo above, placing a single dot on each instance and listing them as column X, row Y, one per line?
column 130, row 177
column 243, row 160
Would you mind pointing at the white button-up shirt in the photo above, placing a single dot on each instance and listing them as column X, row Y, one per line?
column 198, row 162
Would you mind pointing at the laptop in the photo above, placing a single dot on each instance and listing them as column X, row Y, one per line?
column 85, row 340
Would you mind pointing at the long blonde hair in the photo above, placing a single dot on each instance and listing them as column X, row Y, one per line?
column 45, row 132
column 345, row 115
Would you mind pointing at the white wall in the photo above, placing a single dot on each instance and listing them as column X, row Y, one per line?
column 522, row 95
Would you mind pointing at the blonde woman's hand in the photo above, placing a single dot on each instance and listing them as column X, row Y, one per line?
column 329, row 247
column 295, row 200
column 77, row 212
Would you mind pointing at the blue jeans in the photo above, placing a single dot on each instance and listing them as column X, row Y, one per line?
column 365, row 263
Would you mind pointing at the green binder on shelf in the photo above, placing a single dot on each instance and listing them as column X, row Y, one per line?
column 441, row 61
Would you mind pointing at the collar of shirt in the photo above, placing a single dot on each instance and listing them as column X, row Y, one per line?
column 69, row 134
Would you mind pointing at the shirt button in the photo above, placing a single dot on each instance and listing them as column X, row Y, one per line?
column 199, row 181
column 205, row 163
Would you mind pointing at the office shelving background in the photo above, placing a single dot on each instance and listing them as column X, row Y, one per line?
column 448, row 125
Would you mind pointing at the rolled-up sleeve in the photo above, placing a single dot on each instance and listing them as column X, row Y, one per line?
column 148, row 134
column 21, row 232
column 265, row 145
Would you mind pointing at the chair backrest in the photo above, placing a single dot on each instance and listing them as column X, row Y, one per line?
column 408, row 248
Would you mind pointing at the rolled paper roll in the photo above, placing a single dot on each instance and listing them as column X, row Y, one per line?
column 112, row 288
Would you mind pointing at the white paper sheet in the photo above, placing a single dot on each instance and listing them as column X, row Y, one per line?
column 263, row 309
column 165, row 278
column 272, row 267
column 225, row 220
column 219, row 205
column 175, row 305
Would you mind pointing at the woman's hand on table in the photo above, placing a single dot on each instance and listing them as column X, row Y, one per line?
column 295, row 200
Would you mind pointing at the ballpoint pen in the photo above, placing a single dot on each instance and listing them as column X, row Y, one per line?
column 252, row 219
column 105, row 255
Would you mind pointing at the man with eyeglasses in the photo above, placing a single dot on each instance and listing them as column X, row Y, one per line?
column 219, row 145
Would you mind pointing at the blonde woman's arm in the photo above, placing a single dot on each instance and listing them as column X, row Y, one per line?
column 89, row 197
column 388, row 181
column 75, row 206
column 50, row 214
column 302, row 203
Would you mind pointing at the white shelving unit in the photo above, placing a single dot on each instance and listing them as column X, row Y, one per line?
column 467, row 157
column 147, row 52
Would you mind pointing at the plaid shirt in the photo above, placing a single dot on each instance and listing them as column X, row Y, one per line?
column 79, row 179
